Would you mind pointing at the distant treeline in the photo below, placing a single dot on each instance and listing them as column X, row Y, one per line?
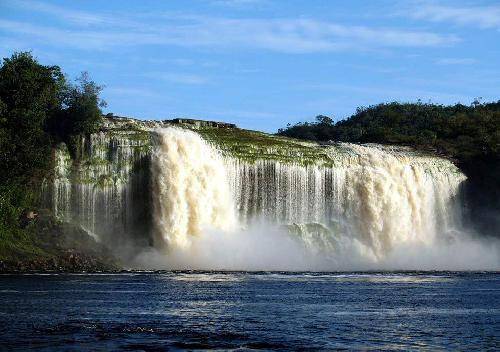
column 460, row 131
column 39, row 107
column 468, row 134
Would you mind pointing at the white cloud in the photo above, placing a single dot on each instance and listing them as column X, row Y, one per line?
column 127, row 92
column 81, row 18
column 287, row 35
column 480, row 16
column 456, row 61
column 183, row 62
column 389, row 92
column 181, row 78
column 237, row 3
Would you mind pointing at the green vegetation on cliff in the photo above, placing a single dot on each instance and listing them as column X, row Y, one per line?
column 39, row 108
column 252, row 145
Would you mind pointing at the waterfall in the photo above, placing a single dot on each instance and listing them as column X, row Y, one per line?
column 168, row 186
column 190, row 188
column 104, row 192
column 377, row 195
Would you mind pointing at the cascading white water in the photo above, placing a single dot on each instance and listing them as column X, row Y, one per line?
column 393, row 200
column 189, row 186
column 378, row 196
column 104, row 191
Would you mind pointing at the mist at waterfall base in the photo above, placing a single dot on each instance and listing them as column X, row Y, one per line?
column 270, row 248
column 392, row 211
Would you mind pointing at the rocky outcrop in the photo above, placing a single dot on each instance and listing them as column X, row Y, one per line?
column 202, row 123
column 69, row 260
column 59, row 247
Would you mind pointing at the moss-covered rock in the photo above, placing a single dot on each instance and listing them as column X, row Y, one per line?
column 252, row 145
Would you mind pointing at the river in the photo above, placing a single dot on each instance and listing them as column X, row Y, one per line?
column 157, row 311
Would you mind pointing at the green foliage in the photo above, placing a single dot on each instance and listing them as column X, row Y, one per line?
column 252, row 146
column 38, row 108
column 80, row 113
column 30, row 95
column 462, row 132
column 16, row 239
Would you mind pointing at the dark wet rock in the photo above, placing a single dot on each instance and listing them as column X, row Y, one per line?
column 69, row 261
column 60, row 247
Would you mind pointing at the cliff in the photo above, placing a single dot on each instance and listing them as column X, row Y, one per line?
column 108, row 192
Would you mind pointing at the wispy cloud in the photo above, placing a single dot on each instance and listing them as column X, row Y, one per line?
column 287, row 35
column 81, row 18
column 183, row 62
column 456, row 61
column 180, row 78
column 127, row 92
column 478, row 16
column 237, row 3
column 387, row 93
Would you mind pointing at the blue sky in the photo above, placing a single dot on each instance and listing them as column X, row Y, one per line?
column 263, row 63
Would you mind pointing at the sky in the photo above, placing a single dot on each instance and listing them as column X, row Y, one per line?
column 263, row 63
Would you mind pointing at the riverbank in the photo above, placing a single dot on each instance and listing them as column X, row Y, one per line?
column 49, row 245
column 70, row 261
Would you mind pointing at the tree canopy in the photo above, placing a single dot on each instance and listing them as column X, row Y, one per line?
column 38, row 108
column 29, row 95
column 460, row 131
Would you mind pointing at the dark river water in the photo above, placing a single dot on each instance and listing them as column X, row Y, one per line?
column 246, row 311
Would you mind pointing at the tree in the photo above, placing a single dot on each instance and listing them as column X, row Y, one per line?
column 29, row 96
column 83, row 105
column 38, row 107
column 80, row 112
column 324, row 120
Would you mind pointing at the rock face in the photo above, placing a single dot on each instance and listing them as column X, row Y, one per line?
column 113, row 122
column 106, row 190
column 201, row 123
column 377, row 194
